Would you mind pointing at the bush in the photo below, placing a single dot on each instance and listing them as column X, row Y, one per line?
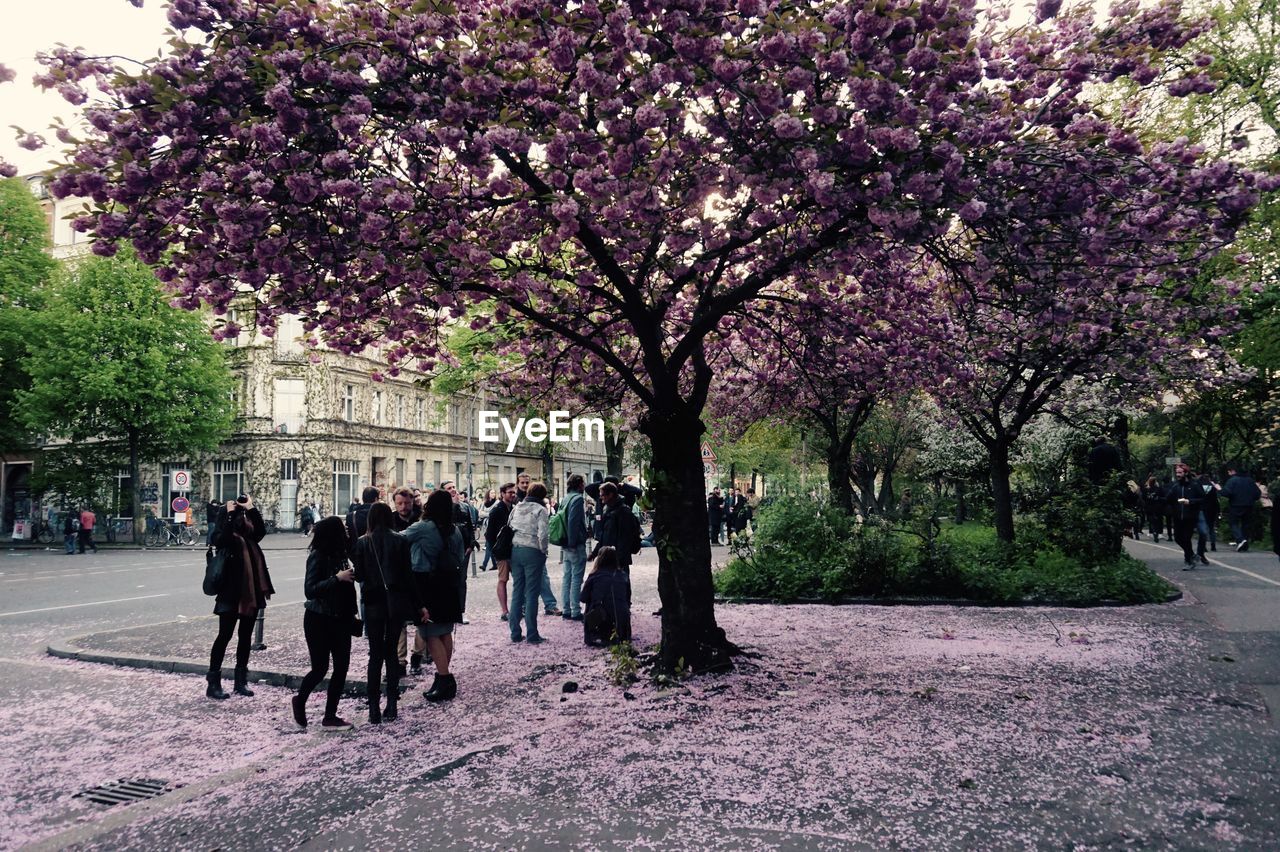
column 807, row 550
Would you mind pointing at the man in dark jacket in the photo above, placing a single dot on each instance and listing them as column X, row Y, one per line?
column 574, row 550
column 498, row 517
column 1241, row 493
column 618, row 527
column 358, row 516
column 1184, row 498
column 715, row 510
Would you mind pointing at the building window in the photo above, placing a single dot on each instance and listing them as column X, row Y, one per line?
column 349, row 403
column 346, row 484
column 377, row 408
column 421, row 470
column 123, row 497
column 228, row 480
column 438, row 469
column 420, row 418
column 289, row 406
column 399, row 421
column 287, row 511
column 289, row 334
column 400, row 472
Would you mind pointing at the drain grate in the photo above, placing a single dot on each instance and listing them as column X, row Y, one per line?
column 126, row 790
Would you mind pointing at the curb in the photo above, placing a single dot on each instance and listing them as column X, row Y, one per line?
column 1026, row 603
column 68, row 650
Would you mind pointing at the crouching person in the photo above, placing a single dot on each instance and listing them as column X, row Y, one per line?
column 606, row 601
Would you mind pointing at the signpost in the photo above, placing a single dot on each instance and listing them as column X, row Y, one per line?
column 180, row 481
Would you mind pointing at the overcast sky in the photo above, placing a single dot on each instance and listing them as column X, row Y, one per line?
column 99, row 26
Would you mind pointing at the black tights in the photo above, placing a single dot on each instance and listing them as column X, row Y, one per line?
column 326, row 637
column 227, row 622
column 383, row 637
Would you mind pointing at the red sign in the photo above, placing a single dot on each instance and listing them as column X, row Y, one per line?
column 180, row 504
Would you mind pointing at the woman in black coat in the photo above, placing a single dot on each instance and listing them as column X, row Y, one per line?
column 328, row 619
column 246, row 585
column 390, row 599
column 606, row 601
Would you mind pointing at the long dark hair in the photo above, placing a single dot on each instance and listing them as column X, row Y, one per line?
column 439, row 508
column 329, row 536
column 380, row 515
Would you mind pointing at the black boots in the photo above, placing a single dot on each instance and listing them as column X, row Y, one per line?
column 443, row 688
column 374, row 693
column 242, row 683
column 299, row 710
column 214, row 690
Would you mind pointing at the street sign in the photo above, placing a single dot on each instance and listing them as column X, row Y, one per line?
column 707, row 454
column 708, row 470
column 180, row 504
column 180, row 480
column 1172, row 460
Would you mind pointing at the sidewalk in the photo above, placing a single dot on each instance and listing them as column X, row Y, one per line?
column 858, row 727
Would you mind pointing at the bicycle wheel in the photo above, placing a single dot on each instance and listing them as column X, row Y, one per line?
column 46, row 534
column 188, row 536
column 154, row 536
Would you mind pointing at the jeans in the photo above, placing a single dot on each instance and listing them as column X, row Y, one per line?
column 488, row 556
column 548, row 597
column 383, row 637
column 1206, row 532
column 69, row 541
column 1239, row 517
column 528, row 572
column 326, row 637
column 575, row 565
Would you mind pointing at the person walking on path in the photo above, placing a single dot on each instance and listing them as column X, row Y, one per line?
column 1184, row 497
column 70, row 527
column 1154, row 506
column 1210, row 510
column 327, row 621
column 390, row 598
column 87, row 520
column 715, row 509
column 1241, row 493
column 408, row 510
column 436, row 556
column 528, row 562
column 246, row 586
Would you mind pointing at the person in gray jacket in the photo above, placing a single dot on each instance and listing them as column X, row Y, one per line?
column 437, row 559
column 529, row 545
column 1241, row 493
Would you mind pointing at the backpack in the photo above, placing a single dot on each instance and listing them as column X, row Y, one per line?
column 558, row 526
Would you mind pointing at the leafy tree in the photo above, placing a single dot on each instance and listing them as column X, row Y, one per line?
column 25, row 268
column 627, row 177
column 115, row 362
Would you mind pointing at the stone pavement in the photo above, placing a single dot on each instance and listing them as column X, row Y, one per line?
column 857, row 727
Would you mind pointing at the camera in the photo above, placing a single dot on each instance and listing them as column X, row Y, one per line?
column 243, row 498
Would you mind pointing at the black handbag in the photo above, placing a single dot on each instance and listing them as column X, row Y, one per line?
column 214, row 563
column 502, row 542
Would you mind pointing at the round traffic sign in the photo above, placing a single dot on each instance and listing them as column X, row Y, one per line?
column 180, row 504
column 181, row 480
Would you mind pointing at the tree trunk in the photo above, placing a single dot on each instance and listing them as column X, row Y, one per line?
column 615, row 444
column 690, row 637
column 135, row 504
column 840, row 478
column 1001, row 490
column 962, row 508
column 549, row 469
column 887, row 498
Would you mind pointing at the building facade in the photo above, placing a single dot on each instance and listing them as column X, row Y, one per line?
column 316, row 426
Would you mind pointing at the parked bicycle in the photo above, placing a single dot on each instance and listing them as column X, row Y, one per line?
column 43, row 531
column 164, row 533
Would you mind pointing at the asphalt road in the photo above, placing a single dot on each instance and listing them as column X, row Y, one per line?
column 1241, row 594
column 61, row 596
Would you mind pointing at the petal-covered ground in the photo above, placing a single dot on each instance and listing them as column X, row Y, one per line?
column 913, row 728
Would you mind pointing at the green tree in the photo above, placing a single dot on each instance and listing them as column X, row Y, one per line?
column 115, row 364
column 25, row 269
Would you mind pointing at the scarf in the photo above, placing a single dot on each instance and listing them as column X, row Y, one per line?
column 253, row 582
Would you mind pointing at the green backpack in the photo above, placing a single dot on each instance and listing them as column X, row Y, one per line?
column 558, row 526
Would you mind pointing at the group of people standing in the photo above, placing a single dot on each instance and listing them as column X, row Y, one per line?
column 730, row 513
column 1189, row 508
column 410, row 566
